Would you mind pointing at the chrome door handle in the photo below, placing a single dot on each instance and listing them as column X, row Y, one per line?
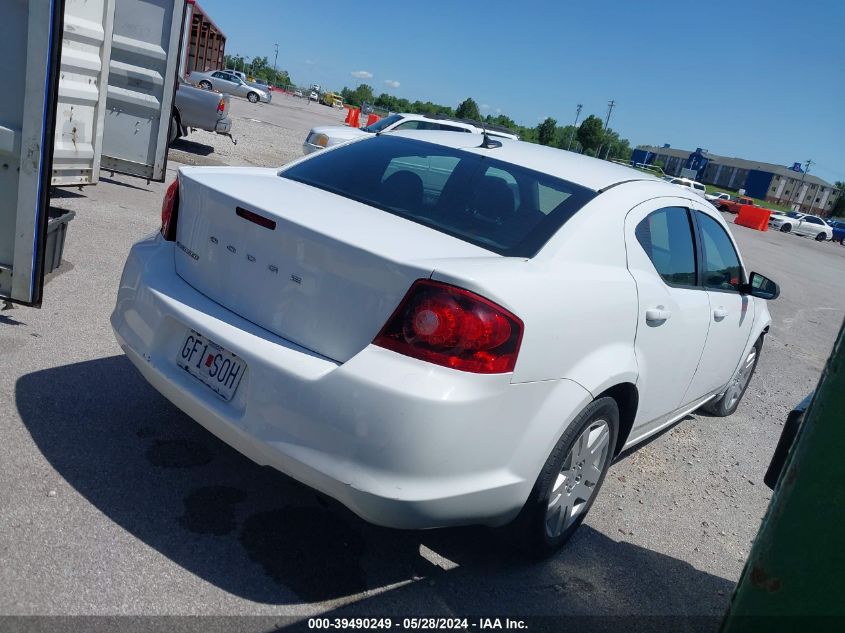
column 719, row 313
column 657, row 314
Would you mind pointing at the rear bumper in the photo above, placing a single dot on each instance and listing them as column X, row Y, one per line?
column 224, row 125
column 400, row 442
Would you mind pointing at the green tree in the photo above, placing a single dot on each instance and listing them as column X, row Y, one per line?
column 839, row 208
column 590, row 134
column 546, row 131
column 359, row 95
column 468, row 109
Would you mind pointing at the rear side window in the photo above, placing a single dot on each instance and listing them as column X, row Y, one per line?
column 722, row 270
column 667, row 238
column 483, row 201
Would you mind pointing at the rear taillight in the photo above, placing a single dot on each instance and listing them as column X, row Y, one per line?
column 453, row 327
column 170, row 211
column 221, row 105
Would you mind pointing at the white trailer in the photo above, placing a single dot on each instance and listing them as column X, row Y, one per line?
column 31, row 36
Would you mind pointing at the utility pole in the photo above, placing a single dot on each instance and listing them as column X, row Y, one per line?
column 275, row 59
column 610, row 105
column 807, row 166
column 574, row 125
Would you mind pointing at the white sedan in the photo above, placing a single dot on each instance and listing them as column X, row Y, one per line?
column 801, row 224
column 330, row 135
column 439, row 328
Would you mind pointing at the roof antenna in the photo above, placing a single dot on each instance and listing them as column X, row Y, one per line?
column 487, row 142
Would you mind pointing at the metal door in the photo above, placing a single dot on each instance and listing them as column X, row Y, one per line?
column 142, row 85
column 83, row 79
column 30, row 39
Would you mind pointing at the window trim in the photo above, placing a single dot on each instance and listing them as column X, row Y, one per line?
column 701, row 263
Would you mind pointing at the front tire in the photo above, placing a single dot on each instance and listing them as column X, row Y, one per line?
column 728, row 402
column 253, row 98
column 821, row 237
column 570, row 480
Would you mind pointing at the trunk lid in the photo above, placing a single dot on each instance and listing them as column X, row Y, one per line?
column 313, row 267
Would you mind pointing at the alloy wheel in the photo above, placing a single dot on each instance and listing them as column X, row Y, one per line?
column 577, row 481
column 740, row 382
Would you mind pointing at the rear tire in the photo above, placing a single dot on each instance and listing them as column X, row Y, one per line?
column 175, row 131
column 253, row 98
column 569, row 482
column 205, row 85
column 728, row 402
column 786, row 228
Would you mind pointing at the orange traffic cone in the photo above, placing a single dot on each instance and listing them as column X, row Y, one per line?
column 356, row 116
column 348, row 115
column 372, row 119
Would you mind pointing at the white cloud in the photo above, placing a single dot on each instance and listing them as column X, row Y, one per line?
column 362, row 74
column 310, row 62
column 485, row 106
column 392, row 83
column 498, row 110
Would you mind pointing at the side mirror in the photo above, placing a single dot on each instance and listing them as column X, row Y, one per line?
column 761, row 287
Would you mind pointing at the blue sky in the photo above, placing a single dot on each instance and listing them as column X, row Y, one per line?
column 758, row 79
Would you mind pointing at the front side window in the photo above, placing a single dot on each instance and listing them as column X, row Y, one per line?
column 473, row 197
column 666, row 237
column 722, row 270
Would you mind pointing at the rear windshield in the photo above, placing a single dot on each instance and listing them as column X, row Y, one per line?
column 504, row 208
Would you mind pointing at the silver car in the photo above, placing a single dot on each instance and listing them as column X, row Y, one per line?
column 228, row 83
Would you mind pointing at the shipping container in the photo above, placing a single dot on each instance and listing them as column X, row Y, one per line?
column 141, row 86
column 83, row 79
column 203, row 43
column 30, row 40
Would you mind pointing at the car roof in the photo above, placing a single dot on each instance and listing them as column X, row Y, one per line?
column 593, row 173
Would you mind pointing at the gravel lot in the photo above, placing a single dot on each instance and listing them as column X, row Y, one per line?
column 113, row 502
column 268, row 135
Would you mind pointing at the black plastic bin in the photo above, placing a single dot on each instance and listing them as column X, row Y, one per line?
column 56, row 232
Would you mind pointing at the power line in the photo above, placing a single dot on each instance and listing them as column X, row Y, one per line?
column 807, row 166
column 574, row 125
column 610, row 105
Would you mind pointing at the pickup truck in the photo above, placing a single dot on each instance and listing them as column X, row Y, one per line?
column 733, row 206
column 195, row 108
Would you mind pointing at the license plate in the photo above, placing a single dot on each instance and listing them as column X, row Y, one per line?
column 218, row 369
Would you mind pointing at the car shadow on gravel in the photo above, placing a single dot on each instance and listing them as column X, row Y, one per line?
column 192, row 147
column 257, row 534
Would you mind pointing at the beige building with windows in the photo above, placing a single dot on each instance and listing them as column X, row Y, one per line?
column 773, row 183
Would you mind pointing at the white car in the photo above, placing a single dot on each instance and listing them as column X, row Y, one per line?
column 228, row 83
column 327, row 136
column 692, row 185
column 439, row 329
column 716, row 196
column 314, row 96
column 801, row 224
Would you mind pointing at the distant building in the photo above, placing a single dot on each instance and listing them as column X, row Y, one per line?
column 766, row 181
